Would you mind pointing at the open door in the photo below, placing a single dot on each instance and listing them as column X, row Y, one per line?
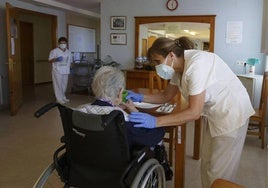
column 14, row 62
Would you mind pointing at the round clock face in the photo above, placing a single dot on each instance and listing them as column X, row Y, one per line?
column 172, row 4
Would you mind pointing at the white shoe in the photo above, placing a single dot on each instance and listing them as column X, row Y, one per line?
column 66, row 100
column 61, row 101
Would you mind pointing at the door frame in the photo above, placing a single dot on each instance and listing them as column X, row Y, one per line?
column 14, row 64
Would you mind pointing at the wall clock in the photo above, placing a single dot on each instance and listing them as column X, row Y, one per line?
column 172, row 5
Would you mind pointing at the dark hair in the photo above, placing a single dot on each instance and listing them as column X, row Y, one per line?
column 185, row 42
column 62, row 39
column 163, row 46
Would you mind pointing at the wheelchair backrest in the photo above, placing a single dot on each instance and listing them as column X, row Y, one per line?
column 95, row 140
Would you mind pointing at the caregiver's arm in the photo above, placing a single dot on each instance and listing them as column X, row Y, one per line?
column 192, row 112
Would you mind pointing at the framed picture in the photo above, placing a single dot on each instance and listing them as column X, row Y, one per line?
column 118, row 38
column 118, row 22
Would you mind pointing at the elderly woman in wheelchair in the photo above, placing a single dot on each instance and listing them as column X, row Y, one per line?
column 101, row 147
column 108, row 87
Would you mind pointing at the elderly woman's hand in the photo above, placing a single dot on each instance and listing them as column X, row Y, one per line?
column 129, row 106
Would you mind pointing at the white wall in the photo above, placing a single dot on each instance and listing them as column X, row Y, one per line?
column 247, row 11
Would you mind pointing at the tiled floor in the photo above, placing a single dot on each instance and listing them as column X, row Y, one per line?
column 27, row 145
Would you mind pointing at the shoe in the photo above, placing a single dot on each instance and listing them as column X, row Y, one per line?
column 66, row 100
column 61, row 101
column 161, row 156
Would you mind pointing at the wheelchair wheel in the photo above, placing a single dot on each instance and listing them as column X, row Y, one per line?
column 150, row 175
column 49, row 178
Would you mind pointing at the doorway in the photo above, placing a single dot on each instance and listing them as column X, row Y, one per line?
column 37, row 37
column 27, row 52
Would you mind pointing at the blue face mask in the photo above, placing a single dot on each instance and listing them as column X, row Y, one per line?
column 164, row 71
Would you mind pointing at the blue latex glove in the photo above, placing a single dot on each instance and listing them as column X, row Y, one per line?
column 135, row 97
column 143, row 120
column 59, row 58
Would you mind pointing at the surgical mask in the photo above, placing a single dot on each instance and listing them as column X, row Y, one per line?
column 62, row 46
column 164, row 71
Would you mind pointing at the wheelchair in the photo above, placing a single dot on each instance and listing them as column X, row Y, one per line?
column 95, row 153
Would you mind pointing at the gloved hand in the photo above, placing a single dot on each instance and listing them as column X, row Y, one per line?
column 143, row 120
column 60, row 58
column 135, row 97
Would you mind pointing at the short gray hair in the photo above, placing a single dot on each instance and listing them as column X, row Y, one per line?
column 107, row 83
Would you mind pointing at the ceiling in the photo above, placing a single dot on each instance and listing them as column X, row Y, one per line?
column 91, row 5
column 85, row 7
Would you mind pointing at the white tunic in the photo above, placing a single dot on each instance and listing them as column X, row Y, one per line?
column 227, row 104
column 62, row 67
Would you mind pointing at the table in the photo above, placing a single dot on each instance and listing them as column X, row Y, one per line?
column 197, row 139
column 148, row 79
column 180, row 136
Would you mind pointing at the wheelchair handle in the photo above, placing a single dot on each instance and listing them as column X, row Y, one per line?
column 45, row 109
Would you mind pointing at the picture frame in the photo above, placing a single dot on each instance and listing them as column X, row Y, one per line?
column 118, row 38
column 118, row 22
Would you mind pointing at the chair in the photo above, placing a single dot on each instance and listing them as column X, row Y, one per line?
column 221, row 183
column 258, row 120
column 96, row 153
column 155, row 82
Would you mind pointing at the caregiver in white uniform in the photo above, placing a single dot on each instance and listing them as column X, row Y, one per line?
column 212, row 91
column 61, row 59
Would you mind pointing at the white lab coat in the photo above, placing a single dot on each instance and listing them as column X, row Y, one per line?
column 226, row 110
column 60, row 72
column 227, row 104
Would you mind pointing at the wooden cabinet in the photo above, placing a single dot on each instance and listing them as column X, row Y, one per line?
column 136, row 78
column 139, row 79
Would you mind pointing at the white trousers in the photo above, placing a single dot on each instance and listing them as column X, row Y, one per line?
column 60, row 82
column 220, row 155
